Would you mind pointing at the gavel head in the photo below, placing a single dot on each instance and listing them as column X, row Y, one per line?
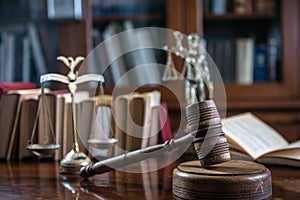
column 210, row 142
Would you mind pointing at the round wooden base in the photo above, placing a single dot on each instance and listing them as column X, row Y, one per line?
column 234, row 179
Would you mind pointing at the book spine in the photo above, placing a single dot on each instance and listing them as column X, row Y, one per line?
column 10, row 154
column 229, row 61
column 1, row 61
column 9, row 76
column 218, row 7
column 120, row 124
column 265, row 6
column 166, row 131
column 244, row 60
column 114, row 54
column 7, row 57
column 38, row 56
column 272, row 54
column 26, row 59
column 243, row 6
column 219, row 55
column 135, row 120
column 206, row 6
column 260, row 63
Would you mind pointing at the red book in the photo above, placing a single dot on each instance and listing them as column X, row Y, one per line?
column 8, row 86
column 166, row 132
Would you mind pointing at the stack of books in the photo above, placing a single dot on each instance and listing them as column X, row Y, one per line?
column 136, row 120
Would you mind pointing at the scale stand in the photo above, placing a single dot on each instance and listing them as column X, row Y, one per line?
column 75, row 159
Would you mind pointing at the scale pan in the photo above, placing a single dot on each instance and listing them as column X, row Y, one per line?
column 102, row 143
column 43, row 149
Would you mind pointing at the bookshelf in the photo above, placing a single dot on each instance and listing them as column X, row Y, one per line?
column 54, row 37
column 277, row 102
column 68, row 35
column 229, row 24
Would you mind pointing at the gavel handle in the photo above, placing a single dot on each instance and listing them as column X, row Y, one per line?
column 133, row 157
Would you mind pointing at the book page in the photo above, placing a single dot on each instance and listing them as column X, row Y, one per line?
column 289, row 157
column 295, row 144
column 252, row 134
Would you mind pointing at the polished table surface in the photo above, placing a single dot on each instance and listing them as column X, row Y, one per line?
column 41, row 180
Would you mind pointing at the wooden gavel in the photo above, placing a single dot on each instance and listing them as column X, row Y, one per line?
column 133, row 157
column 206, row 134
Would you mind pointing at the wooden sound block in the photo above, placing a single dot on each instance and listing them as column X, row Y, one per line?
column 234, row 179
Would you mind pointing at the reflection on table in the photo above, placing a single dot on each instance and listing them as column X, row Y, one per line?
column 41, row 179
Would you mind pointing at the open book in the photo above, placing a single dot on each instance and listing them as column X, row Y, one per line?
column 252, row 139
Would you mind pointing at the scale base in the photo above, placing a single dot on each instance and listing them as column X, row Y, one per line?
column 234, row 179
column 73, row 161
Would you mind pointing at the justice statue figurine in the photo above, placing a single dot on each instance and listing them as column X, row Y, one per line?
column 203, row 118
column 75, row 159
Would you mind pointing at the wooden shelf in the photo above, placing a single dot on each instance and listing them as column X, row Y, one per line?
column 134, row 17
column 239, row 17
column 232, row 25
column 75, row 38
column 276, row 102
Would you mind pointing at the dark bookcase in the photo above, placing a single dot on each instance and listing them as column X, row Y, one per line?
column 275, row 99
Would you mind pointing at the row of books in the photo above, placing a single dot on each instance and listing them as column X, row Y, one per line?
column 125, row 54
column 130, row 7
column 136, row 120
column 38, row 10
column 241, row 60
column 139, row 124
column 22, row 9
column 21, row 54
column 218, row 7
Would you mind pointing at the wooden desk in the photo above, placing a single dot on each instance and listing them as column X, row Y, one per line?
column 41, row 180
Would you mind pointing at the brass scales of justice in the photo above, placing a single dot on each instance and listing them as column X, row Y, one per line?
column 214, row 175
column 75, row 159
